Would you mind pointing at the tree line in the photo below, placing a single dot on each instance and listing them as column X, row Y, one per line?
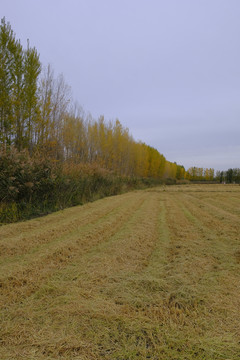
column 200, row 174
column 38, row 114
column 231, row 176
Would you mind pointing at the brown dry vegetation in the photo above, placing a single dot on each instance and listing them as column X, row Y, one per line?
column 152, row 274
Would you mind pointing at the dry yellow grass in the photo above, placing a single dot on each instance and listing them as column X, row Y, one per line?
column 151, row 274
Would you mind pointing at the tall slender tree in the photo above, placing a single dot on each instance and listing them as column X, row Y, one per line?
column 32, row 69
column 18, row 96
column 7, row 47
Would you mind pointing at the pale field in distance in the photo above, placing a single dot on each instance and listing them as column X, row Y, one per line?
column 151, row 274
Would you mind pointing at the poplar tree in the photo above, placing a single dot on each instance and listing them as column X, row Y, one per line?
column 18, row 96
column 46, row 106
column 19, row 71
column 32, row 69
column 6, row 81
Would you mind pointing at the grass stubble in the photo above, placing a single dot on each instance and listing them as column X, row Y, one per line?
column 152, row 274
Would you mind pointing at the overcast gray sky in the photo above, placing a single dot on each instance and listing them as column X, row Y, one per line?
column 168, row 69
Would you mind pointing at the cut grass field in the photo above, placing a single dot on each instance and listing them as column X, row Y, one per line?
column 151, row 274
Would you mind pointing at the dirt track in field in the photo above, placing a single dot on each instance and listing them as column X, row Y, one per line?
column 151, row 274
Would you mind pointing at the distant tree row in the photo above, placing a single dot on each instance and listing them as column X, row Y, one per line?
column 37, row 114
column 230, row 176
column 199, row 174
